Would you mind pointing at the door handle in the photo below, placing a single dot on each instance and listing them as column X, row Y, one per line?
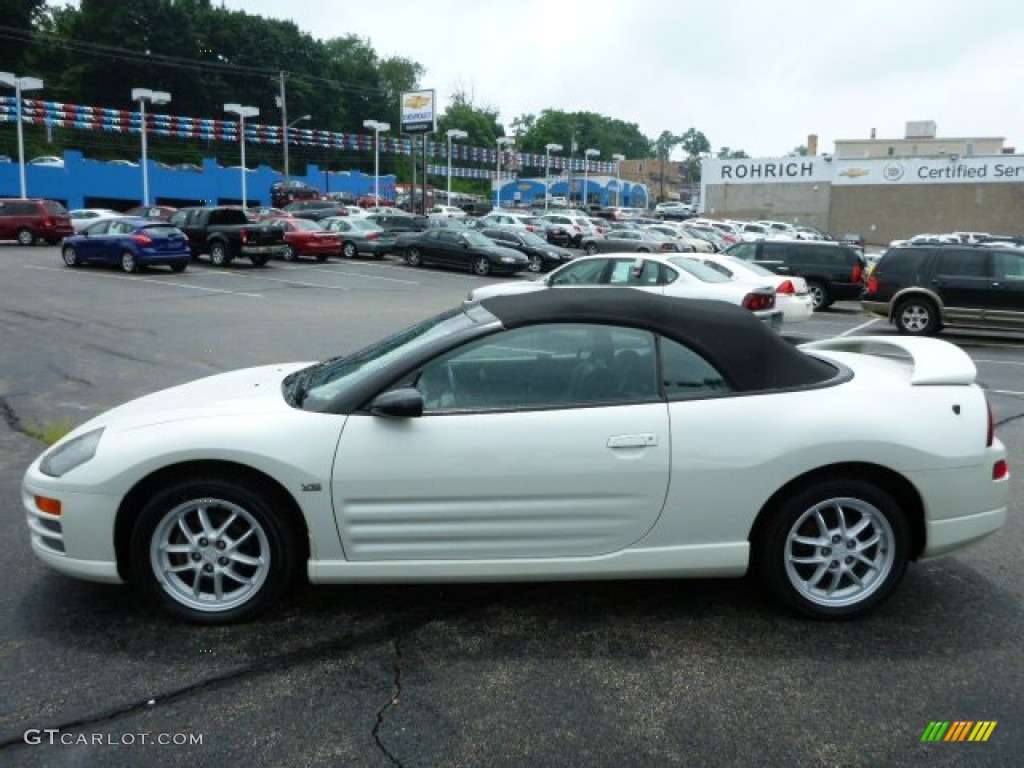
column 644, row 440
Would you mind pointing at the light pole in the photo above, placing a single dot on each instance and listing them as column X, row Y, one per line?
column 452, row 133
column 142, row 95
column 242, row 112
column 20, row 84
column 377, row 127
column 287, row 127
column 618, row 176
column 587, row 154
column 503, row 141
column 548, row 149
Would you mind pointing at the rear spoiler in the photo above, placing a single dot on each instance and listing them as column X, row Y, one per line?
column 935, row 361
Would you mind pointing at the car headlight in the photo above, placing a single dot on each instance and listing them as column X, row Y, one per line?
column 71, row 454
column 509, row 260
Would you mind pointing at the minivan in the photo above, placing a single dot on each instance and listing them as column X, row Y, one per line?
column 28, row 220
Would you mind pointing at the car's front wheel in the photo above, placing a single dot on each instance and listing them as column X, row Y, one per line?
column 213, row 551
column 128, row 262
column 590, row 249
column 288, row 254
column 834, row 549
column 917, row 316
column 349, row 250
column 413, row 257
column 536, row 264
column 70, row 256
column 481, row 266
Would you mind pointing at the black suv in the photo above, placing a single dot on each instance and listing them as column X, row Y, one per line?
column 833, row 271
column 921, row 288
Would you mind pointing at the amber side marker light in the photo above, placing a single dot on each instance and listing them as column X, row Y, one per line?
column 47, row 505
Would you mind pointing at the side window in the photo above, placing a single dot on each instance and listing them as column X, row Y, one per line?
column 744, row 251
column 773, row 251
column 563, row 365
column 635, row 272
column 961, row 263
column 686, row 374
column 581, row 273
column 1008, row 266
column 119, row 228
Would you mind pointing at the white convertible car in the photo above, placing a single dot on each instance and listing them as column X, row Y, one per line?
column 608, row 434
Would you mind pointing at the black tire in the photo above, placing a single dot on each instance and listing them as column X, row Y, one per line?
column 590, row 249
column 816, row 566
column 70, row 256
column 26, row 236
column 259, row 261
column 247, row 588
column 413, row 257
column 288, row 254
column 480, row 266
column 820, row 298
column 536, row 264
column 128, row 262
column 219, row 255
column 349, row 250
column 917, row 316
column 179, row 266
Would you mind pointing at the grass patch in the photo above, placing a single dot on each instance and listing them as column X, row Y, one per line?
column 50, row 433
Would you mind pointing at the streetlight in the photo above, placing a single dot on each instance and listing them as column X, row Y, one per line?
column 142, row 95
column 618, row 176
column 377, row 127
column 296, row 121
column 548, row 149
column 587, row 154
column 452, row 133
column 502, row 141
column 242, row 112
column 20, row 84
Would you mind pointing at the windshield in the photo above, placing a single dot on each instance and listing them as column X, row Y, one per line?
column 702, row 272
column 314, row 388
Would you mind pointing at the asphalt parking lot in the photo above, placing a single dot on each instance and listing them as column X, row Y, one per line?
column 629, row 673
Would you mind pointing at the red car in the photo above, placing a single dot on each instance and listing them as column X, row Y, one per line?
column 303, row 237
column 28, row 221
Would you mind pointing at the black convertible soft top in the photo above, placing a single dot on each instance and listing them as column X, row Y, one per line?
column 751, row 356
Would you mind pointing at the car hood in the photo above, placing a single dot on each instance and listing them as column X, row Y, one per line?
column 243, row 392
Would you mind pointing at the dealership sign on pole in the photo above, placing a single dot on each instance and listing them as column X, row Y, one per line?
column 418, row 112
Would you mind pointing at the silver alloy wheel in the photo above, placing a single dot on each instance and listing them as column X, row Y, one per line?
column 26, row 237
column 817, row 292
column 128, row 261
column 210, row 555
column 288, row 254
column 218, row 255
column 536, row 264
column 349, row 250
column 481, row 266
column 590, row 249
column 70, row 256
column 413, row 258
column 915, row 318
column 839, row 552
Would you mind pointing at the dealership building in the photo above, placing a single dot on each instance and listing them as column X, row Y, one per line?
column 881, row 188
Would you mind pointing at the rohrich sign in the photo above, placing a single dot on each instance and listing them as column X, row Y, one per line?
column 949, row 169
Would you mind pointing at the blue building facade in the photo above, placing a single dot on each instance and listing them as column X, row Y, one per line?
column 603, row 190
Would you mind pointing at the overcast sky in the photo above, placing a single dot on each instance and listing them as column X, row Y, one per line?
column 756, row 76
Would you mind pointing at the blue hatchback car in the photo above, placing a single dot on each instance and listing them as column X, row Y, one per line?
column 130, row 243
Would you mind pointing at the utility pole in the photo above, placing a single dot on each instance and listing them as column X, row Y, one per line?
column 283, row 103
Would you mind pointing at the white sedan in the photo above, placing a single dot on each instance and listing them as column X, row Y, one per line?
column 556, row 435
column 83, row 217
column 791, row 294
column 661, row 274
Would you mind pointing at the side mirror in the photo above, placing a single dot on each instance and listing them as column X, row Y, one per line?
column 398, row 403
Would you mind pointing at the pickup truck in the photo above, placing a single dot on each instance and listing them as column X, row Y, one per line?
column 226, row 233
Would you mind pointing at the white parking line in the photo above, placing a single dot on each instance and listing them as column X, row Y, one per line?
column 868, row 324
column 137, row 279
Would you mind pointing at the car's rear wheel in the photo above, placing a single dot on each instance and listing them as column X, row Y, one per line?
column 481, row 266
column 212, row 550
column 26, row 237
column 219, row 255
column 349, row 250
column 128, row 262
column 917, row 316
column 590, row 249
column 413, row 257
column 70, row 256
column 536, row 264
column 820, row 298
column 834, row 549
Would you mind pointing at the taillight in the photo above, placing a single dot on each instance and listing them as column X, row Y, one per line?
column 755, row 302
column 786, row 287
column 142, row 239
column 1000, row 470
column 872, row 284
column 372, row 236
column 858, row 272
column 47, row 221
column 244, row 236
